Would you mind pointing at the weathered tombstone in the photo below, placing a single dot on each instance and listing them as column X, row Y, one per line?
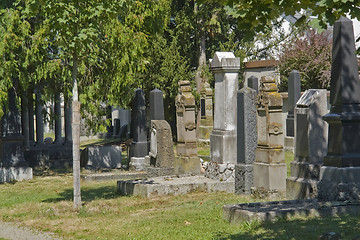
column 139, row 146
column 161, row 153
column 310, row 145
column 246, row 140
column 269, row 166
column 206, row 121
column 156, row 105
column 101, row 157
column 294, row 93
column 225, row 67
column 116, row 128
column 253, row 83
column 187, row 160
column 340, row 175
column 13, row 166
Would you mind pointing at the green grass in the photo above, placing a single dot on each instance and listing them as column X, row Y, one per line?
column 289, row 157
column 45, row 204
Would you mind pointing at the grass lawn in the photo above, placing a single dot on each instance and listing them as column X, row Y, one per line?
column 45, row 203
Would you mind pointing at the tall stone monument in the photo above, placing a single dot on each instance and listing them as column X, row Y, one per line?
column 161, row 154
column 225, row 67
column 206, row 122
column 310, row 145
column 253, row 82
column 187, row 160
column 246, row 140
column 269, row 166
column 13, row 166
column 139, row 147
column 294, row 93
column 340, row 175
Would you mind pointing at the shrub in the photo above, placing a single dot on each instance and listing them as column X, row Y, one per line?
column 310, row 54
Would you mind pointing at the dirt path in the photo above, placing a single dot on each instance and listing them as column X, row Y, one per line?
column 13, row 232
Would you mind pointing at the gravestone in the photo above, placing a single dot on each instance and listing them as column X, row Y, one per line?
column 294, row 93
column 269, row 166
column 123, row 115
column 225, row 67
column 101, row 157
column 206, row 121
column 253, row 83
column 139, row 147
column 161, row 153
column 156, row 105
column 340, row 175
column 310, row 145
column 187, row 160
column 246, row 140
column 13, row 166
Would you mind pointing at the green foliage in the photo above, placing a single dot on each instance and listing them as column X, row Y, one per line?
column 310, row 54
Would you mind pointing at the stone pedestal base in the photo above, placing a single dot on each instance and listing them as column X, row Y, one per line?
column 159, row 171
column 13, row 174
column 139, row 149
column 187, row 165
column 99, row 157
column 220, row 171
column 270, row 176
column 244, row 178
column 223, row 145
column 186, row 149
column 139, row 163
column 339, row 184
column 303, row 181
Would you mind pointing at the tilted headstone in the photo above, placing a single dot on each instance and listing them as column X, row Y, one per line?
column 13, row 166
column 186, row 149
column 246, row 140
column 161, row 153
column 294, row 93
column 269, row 166
column 206, row 122
column 310, row 145
column 253, row 83
column 139, row 147
column 225, row 67
column 340, row 175
column 156, row 105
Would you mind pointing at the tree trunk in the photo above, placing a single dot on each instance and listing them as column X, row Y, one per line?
column 76, row 136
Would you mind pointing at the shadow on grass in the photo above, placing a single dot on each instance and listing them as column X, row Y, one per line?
column 87, row 194
column 40, row 172
column 347, row 226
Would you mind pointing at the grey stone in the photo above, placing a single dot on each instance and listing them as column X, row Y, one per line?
column 294, row 93
column 206, row 121
column 271, row 211
column 225, row 67
column 139, row 146
column 253, row 83
column 139, row 163
column 269, row 166
column 156, row 105
column 310, row 144
column 39, row 119
column 344, row 116
column 174, row 185
column 99, row 157
column 246, row 140
column 13, row 174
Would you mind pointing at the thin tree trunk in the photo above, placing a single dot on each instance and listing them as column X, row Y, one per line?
column 76, row 135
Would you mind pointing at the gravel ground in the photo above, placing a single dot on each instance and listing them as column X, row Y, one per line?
column 13, row 232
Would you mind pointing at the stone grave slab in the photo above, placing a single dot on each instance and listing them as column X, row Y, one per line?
column 98, row 157
column 271, row 211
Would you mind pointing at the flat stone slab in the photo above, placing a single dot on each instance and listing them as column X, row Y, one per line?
column 13, row 174
column 114, row 175
column 271, row 211
column 173, row 185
